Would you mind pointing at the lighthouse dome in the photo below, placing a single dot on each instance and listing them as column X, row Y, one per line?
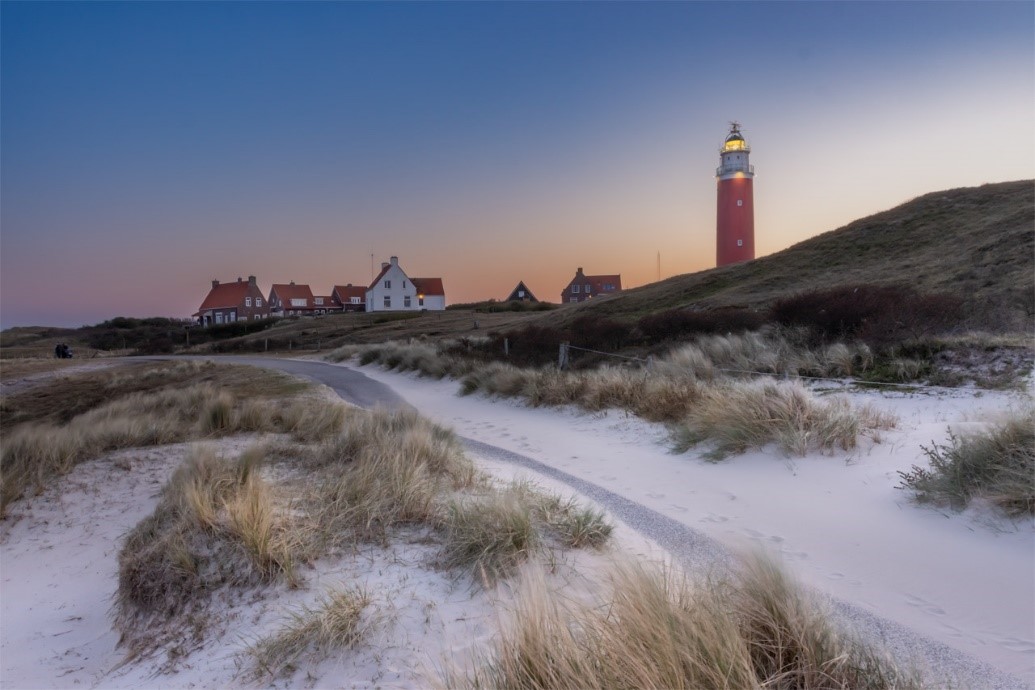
column 734, row 142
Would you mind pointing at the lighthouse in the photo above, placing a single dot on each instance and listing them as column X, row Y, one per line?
column 735, row 216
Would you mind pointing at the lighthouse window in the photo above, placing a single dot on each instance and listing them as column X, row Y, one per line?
column 740, row 243
column 740, row 202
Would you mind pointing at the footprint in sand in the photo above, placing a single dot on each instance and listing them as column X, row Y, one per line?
column 673, row 506
column 650, row 495
column 924, row 605
column 712, row 517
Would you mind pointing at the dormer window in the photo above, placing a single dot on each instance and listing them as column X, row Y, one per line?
column 575, row 289
column 319, row 300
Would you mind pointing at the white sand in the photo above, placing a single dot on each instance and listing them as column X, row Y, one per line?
column 966, row 580
column 838, row 522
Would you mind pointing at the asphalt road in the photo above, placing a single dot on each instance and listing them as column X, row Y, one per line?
column 694, row 549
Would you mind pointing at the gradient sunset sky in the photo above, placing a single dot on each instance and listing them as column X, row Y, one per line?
column 148, row 148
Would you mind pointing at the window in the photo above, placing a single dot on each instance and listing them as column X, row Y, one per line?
column 298, row 302
column 354, row 300
column 258, row 301
column 587, row 289
column 740, row 243
column 608, row 287
column 247, row 301
column 233, row 317
column 388, row 285
column 388, row 302
column 740, row 202
column 319, row 300
column 574, row 299
column 575, row 289
column 521, row 293
column 219, row 317
column 404, row 285
column 406, row 301
column 420, row 301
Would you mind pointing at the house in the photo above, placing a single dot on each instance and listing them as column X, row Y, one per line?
column 298, row 300
column 583, row 287
column 393, row 290
column 230, row 302
column 521, row 294
column 349, row 297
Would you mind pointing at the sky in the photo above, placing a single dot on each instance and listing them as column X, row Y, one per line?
column 149, row 148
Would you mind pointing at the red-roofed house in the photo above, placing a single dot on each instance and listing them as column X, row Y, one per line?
column 431, row 294
column 230, row 302
column 350, row 297
column 297, row 300
column 393, row 290
column 583, row 287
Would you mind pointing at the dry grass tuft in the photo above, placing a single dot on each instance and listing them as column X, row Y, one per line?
column 335, row 624
column 739, row 416
column 656, row 629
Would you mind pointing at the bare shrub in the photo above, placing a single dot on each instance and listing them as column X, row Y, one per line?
column 998, row 466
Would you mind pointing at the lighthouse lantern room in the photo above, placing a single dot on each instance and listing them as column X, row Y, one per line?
column 735, row 217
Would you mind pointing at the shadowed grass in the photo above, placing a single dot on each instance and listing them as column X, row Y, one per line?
column 998, row 466
column 656, row 629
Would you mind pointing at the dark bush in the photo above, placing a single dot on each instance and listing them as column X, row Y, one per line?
column 598, row 333
column 880, row 315
column 529, row 346
column 677, row 323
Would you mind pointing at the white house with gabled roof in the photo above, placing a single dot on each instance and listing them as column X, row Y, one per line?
column 393, row 290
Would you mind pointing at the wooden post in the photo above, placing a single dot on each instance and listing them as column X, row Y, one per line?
column 562, row 357
column 267, row 347
column 506, row 347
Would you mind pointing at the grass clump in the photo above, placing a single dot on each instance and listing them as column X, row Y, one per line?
column 740, row 416
column 336, row 623
column 998, row 466
column 490, row 535
column 657, row 629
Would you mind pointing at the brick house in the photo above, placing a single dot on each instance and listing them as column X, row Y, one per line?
column 230, row 302
column 298, row 300
column 583, row 287
column 349, row 297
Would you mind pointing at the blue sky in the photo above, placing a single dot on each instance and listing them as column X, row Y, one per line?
column 167, row 144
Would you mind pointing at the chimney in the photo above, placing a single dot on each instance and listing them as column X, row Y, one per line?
column 238, row 279
column 394, row 260
column 578, row 271
column 291, row 283
column 215, row 284
column 251, row 279
column 349, row 285
column 384, row 265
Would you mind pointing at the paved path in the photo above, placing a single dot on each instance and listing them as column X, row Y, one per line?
column 694, row 549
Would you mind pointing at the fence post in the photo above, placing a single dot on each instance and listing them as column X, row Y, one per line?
column 267, row 347
column 562, row 357
column 506, row 347
column 289, row 344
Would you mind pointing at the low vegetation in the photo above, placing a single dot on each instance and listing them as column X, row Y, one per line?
column 70, row 420
column 333, row 625
column 699, row 388
column 657, row 629
column 735, row 417
column 997, row 466
column 346, row 476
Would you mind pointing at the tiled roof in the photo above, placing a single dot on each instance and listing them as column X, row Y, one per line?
column 344, row 292
column 376, row 280
column 287, row 292
column 429, row 286
column 225, row 295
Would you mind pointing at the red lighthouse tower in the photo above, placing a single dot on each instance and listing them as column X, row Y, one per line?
column 735, row 219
